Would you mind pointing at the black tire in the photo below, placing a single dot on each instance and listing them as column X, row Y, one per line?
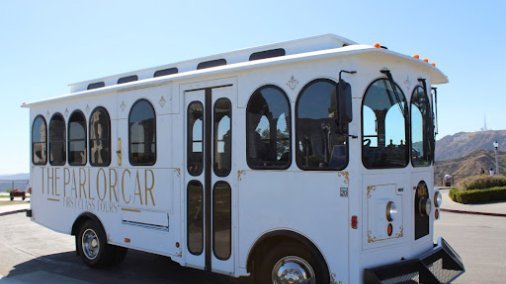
column 266, row 263
column 92, row 246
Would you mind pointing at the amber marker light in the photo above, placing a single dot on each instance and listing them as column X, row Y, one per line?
column 416, row 56
column 377, row 45
column 426, row 60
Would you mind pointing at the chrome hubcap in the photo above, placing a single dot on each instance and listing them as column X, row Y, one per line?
column 293, row 270
column 90, row 244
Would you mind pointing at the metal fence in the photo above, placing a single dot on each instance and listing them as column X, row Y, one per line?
column 6, row 185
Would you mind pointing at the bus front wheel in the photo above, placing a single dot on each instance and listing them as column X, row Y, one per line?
column 290, row 263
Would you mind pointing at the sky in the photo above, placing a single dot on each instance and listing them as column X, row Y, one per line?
column 46, row 45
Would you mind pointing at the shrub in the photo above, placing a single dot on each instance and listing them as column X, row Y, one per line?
column 473, row 196
column 482, row 182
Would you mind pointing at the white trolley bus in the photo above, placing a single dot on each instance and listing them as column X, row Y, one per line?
column 308, row 161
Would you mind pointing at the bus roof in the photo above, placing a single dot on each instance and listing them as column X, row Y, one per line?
column 323, row 46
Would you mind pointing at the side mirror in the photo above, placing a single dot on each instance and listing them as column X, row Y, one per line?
column 345, row 112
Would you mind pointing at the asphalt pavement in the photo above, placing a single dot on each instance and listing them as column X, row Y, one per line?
column 30, row 253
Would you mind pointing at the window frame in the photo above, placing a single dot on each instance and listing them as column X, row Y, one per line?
column 189, row 143
column 428, row 119
column 64, row 142
column 290, row 132
column 136, row 164
column 296, row 114
column 40, row 142
column 215, row 220
column 85, row 140
column 110, row 137
column 215, row 127
column 407, row 128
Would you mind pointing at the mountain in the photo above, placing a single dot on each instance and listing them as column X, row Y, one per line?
column 15, row 177
column 469, row 165
column 464, row 143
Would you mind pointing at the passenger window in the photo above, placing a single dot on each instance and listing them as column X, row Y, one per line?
column 222, row 220
column 195, row 217
column 142, row 134
column 268, row 129
column 57, row 151
column 421, row 129
column 195, row 142
column 384, row 126
column 39, row 141
column 100, row 138
column 222, row 137
column 320, row 144
column 77, row 139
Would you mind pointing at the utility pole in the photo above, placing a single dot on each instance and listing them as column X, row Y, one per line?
column 496, row 146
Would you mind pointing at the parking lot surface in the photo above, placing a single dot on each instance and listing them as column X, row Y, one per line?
column 30, row 253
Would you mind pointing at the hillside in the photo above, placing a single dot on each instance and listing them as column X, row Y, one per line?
column 464, row 143
column 469, row 165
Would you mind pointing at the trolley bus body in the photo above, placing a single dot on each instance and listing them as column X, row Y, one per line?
column 217, row 161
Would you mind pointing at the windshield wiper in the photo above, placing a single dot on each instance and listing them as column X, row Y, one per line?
column 394, row 90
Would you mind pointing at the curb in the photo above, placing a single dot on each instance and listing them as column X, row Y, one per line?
column 473, row 212
column 13, row 212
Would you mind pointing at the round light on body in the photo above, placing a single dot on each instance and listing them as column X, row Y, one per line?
column 438, row 199
column 424, row 206
column 391, row 211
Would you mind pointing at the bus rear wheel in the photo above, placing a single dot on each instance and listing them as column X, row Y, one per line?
column 289, row 263
column 93, row 248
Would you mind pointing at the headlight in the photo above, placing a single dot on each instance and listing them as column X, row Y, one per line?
column 438, row 199
column 391, row 211
column 424, row 206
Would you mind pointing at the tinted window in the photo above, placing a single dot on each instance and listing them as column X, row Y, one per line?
column 77, row 139
column 222, row 137
column 195, row 217
column 96, row 85
column 421, row 129
column 384, row 126
column 267, row 54
column 100, row 138
column 39, row 141
column 211, row 63
column 195, row 146
column 165, row 72
column 142, row 134
column 127, row 79
column 222, row 220
column 319, row 144
column 268, row 129
column 57, row 149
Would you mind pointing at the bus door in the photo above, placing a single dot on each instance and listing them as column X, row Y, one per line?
column 209, row 184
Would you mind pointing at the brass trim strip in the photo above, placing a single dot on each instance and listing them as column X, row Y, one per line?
column 131, row 210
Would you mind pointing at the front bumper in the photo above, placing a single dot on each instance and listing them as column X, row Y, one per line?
column 439, row 265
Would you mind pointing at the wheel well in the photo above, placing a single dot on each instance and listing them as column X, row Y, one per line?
column 271, row 239
column 83, row 218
